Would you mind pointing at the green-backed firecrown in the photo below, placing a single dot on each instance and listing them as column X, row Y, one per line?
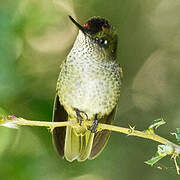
column 88, row 89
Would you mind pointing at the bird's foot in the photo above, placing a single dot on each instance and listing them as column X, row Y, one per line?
column 79, row 117
column 93, row 127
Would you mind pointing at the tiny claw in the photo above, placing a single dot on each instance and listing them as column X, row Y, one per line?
column 78, row 114
column 93, row 127
column 79, row 117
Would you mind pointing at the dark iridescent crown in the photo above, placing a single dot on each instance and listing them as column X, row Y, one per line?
column 95, row 25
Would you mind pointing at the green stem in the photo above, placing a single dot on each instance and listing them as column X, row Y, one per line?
column 129, row 131
column 14, row 121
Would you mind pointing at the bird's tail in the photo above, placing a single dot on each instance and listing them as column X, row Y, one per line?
column 77, row 146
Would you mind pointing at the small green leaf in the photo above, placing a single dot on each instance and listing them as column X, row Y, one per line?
column 177, row 134
column 163, row 150
column 156, row 123
column 154, row 159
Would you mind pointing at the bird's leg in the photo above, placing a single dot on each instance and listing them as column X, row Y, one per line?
column 93, row 127
column 78, row 114
column 79, row 117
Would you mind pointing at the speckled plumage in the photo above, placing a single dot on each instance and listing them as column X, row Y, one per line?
column 87, row 81
column 90, row 81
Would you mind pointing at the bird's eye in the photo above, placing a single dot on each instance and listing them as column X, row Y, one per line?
column 102, row 42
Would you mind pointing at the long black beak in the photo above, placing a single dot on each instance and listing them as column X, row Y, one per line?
column 78, row 25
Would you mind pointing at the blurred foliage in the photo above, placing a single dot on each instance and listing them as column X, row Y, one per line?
column 37, row 35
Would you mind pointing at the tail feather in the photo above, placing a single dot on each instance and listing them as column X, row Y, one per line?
column 77, row 147
column 72, row 145
column 87, row 141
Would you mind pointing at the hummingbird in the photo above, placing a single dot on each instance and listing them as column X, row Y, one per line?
column 88, row 89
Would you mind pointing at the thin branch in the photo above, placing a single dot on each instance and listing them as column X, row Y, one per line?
column 129, row 131
column 14, row 122
column 143, row 134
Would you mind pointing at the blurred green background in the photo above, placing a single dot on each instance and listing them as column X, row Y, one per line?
column 35, row 36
